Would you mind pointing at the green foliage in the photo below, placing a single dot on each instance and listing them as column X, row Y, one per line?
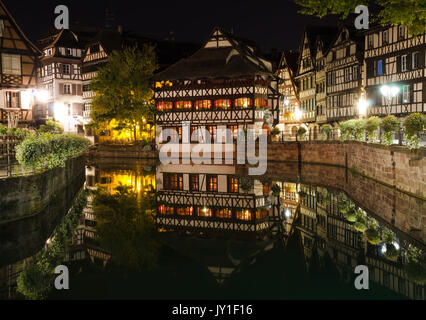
column 37, row 277
column 325, row 130
column 247, row 184
column 51, row 127
column 276, row 190
column 122, row 88
column 359, row 129
column 413, row 125
column 126, row 228
column 410, row 13
column 390, row 125
column 301, row 132
column 373, row 236
column 19, row 133
column 347, row 130
column 415, row 266
column 49, row 150
column 276, row 131
column 371, row 126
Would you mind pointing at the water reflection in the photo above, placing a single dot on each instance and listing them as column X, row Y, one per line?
column 292, row 233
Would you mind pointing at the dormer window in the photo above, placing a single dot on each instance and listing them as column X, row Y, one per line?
column 66, row 68
column 68, row 51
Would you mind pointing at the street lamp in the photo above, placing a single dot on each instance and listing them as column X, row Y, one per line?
column 298, row 114
column 362, row 107
column 389, row 92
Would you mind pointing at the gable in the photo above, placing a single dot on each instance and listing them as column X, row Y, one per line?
column 13, row 37
column 218, row 40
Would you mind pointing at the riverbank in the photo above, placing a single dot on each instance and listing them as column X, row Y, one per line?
column 27, row 195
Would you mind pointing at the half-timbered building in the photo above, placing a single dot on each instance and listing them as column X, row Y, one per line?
column 288, row 90
column 395, row 57
column 306, row 74
column 18, row 72
column 59, row 76
column 225, row 84
column 344, row 63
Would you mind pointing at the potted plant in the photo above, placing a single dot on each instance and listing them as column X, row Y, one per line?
column 359, row 129
column 413, row 125
column 360, row 223
column 301, row 132
column 415, row 266
column 373, row 233
column 371, row 126
column 275, row 131
column 391, row 252
column 390, row 125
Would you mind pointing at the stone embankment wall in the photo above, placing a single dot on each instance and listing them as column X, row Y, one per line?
column 394, row 166
column 24, row 196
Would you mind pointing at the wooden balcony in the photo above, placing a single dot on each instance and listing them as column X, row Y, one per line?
column 21, row 115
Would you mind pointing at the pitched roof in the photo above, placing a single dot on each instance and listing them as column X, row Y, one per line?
column 290, row 59
column 222, row 56
column 325, row 33
column 26, row 40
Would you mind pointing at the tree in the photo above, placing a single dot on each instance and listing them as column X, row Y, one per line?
column 126, row 228
column 410, row 13
column 122, row 89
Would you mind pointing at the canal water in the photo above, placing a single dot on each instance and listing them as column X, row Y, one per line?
column 152, row 231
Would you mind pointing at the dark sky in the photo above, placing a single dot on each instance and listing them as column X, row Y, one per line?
column 271, row 24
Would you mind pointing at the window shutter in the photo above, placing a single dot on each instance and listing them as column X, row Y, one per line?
column 61, row 89
column 79, row 90
column 398, row 64
column 74, row 89
column 71, row 69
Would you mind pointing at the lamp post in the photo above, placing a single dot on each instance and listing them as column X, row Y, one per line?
column 389, row 92
column 362, row 107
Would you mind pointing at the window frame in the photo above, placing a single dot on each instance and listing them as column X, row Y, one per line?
column 210, row 177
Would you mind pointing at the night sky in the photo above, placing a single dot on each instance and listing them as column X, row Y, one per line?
column 271, row 24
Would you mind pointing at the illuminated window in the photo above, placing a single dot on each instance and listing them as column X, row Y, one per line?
column 180, row 105
column 242, row 103
column 243, row 215
column 233, row 184
column 187, row 211
column 223, row 103
column 195, row 134
column 204, row 212
column 260, row 103
column 261, row 214
column 13, row 99
column 173, row 181
column 224, row 213
column 194, row 182
column 164, row 105
column 234, row 133
column 202, row 104
column 212, row 131
column 166, row 210
column 212, row 183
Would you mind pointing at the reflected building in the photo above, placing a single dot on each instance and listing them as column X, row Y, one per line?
column 214, row 198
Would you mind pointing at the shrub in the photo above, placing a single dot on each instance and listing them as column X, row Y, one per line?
column 347, row 129
column 390, row 125
column 49, row 151
column 276, row 131
column 301, row 132
column 51, row 127
column 359, row 129
column 371, row 126
column 413, row 125
column 325, row 130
